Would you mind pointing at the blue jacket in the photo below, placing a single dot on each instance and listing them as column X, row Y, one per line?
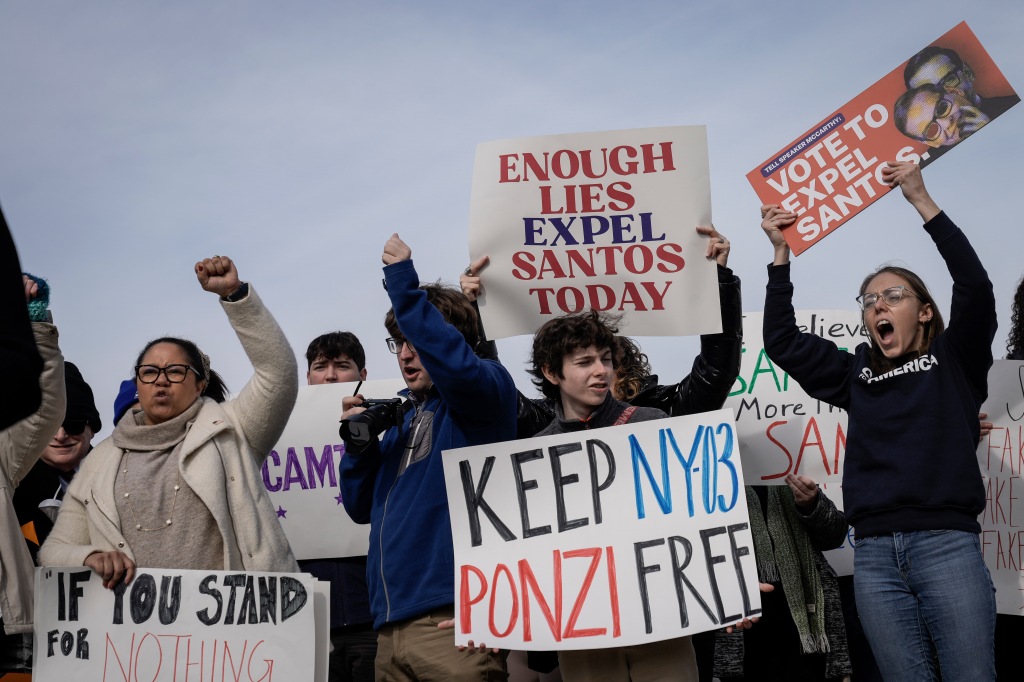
column 411, row 566
column 910, row 450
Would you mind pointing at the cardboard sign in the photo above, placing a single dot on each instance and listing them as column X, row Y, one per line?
column 917, row 112
column 602, row 538
column 782, row 430
column 1001, row 457
column 596, row 220
column 301, row 473
column 172, row 626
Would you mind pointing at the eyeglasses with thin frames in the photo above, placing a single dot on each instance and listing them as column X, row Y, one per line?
column 395, row 345
column 892, row 297
column 149, row 374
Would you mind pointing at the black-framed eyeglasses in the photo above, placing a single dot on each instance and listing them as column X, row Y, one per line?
column 943, row 108
column 148, row 374
column 892, row 297
column 74, row 427
column 395, row 345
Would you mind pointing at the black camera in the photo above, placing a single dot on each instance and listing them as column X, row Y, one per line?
column 359, row 430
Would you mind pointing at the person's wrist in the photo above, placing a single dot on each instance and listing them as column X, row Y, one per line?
column 240, row 292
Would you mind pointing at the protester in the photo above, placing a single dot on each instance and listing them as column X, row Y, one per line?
column 912, row 487
column 455, row 399
column 20, row 447
column 178, row 484
column 127, row 398
column 801, row 637
column 41, row 493
column 573, row 364
column 19, row 359
column 338, row 357
column 705, row 388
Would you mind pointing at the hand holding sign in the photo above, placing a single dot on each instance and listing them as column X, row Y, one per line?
column 773, row 219
column 469, row 280
column 907, row 176
column 111, row 567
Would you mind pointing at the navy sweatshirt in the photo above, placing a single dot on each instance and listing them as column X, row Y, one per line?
column 398, row 487
column 913, row 431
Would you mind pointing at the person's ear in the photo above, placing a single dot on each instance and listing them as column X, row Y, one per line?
column 362, row 374
column 551, row 376
column 924, row 315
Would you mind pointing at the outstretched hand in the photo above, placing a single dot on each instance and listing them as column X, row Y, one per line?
column 218, row 275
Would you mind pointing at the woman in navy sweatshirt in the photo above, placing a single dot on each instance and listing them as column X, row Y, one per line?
column 912, row 486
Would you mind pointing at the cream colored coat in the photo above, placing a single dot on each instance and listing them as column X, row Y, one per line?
column 20, row 447
column 220, row 460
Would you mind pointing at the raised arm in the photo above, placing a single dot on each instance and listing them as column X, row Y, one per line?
column 818, row 365
column 19, row 359
column 263, row 406
column 23, row 443
column 972, row 318
column 475, row 389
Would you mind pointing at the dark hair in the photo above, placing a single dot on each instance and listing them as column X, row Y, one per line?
column 561, row 336
column 1015, row 341
column 932, row 328
column 901, row 109
column 336, row 344
column 215, row 386
column 926, row 55
column 631, row 368
column 453, row 306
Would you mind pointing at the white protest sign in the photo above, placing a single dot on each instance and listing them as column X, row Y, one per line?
column 601, row 538
column 603, row 220
column 301, row 473
column 1001, row 457
column 782, row 430
column 173, row 626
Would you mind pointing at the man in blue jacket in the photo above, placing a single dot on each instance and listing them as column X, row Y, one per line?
column 455, row 399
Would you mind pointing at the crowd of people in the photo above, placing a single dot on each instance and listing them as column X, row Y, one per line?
column 178, row 484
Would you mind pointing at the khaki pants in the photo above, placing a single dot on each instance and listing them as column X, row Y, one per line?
column 669, row 660
column 417, row 650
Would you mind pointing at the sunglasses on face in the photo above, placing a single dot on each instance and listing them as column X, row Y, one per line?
column 74, row 427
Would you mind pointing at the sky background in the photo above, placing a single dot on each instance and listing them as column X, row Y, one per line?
column 139, row 137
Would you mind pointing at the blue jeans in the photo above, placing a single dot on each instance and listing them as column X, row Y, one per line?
column 923, row 592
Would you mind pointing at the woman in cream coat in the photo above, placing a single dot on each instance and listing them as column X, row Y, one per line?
column 178, row 484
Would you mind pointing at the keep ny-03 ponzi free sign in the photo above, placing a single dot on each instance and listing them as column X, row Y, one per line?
column 601, row 538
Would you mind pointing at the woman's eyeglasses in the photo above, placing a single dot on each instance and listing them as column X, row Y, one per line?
column 74, row 427
column 148, row 374
column 892, row 297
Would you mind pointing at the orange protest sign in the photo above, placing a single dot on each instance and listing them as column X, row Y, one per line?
column 917, row 112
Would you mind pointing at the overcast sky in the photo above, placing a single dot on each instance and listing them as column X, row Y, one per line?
column 137, row 137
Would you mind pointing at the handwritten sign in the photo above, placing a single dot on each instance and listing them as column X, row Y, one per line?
column 782, row 430
column 606, row 537
column 595, row 220
column 172, row 626
column 1001, row 456
column 917, row 112
column 301, row 473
